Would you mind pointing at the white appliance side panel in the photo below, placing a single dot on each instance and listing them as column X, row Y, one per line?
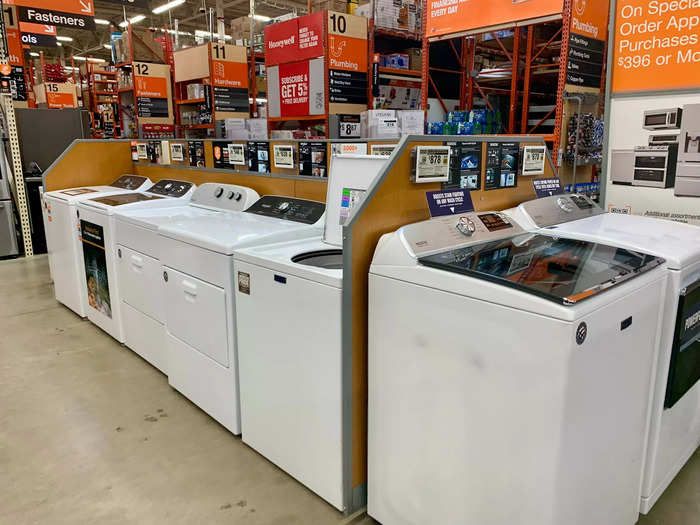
column 480, row 413
column 196, row 313
column 67, row 268
column 141, row 282
column 210, row 386
column 675, row 432
column 145, row 336
column 107, row 313
column 289, row 356
column 137, row 238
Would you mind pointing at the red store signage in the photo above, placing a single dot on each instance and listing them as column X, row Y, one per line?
column 294, row 89
column 294, row 40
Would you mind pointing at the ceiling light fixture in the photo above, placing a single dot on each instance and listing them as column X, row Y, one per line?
column 64, row 38
column 102, row 21
column 206, row 34
column 107, row 46
column 32, row 53
column 133, row 20
column 82, row 59
column 262, row 18
column 166, row 7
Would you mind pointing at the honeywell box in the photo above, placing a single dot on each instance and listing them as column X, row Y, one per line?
column 379, row 124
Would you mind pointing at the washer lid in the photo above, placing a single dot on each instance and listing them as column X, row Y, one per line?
column 227, row 231
column 125, row 198
column 676, row 242
column 73, row 195
column 565, row 271
column 152, row 218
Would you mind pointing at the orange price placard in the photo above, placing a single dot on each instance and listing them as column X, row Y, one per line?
column 657, row 46
column 150, row 87
column 229, row 74
column 455, row 16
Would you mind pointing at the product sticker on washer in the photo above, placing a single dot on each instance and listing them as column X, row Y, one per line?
column 244, row 283
column 177, row 152
column 350, row 199
column 236, row 154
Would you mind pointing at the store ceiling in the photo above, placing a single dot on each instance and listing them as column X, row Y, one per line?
column 189, row 15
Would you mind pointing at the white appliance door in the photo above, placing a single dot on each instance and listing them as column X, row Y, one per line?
column 62, row 235
column 195, row 312
column 141, row 281
column 289, row 358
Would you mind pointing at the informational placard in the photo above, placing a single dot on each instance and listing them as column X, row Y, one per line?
column 296, row 89
column 259, row 157
column 589, row 29
column 501, row 165
column 454, row 16
column 432, row 164
column 547, row 187
column 465, row 165
column 96, row 277
column 347, row 58
column 221, row 155
column 449, row 202
column 177, row 152
column 349, row 148
column 152, row 92
column 312, row 159
column 656, row 45
column 534, row 158
column 229, row 76
column 236, row 154
column 75, row 14
column 196, row 153
column 142, row 150
column 60, row 95
column 384, row 150
column 283, row 156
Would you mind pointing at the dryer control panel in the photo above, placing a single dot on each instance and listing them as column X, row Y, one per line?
column 229, row 197
column 129, row 182
column 289, row 209
column 456, row 231
column 170, row 188
column 558, row 209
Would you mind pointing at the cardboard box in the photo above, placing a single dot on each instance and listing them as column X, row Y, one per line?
column 415, row 58
column 195, row 91
column 379, row 124
column 257, row 128
column 411, row 122
column 402, row 15
column 340, row 6
column 240, row 28
column 261, row 84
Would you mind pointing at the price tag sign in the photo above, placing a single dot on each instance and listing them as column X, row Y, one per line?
column 350, row 129
column 236, row 154
column 382, row 150
column 177, row 152
column 533, row 160
column 432, row 164
column 283, row 156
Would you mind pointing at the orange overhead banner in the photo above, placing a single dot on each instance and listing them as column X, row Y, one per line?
column 657, row 46
column 457, row 16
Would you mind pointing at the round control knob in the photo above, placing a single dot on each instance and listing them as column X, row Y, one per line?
column 238, row 196
column 218, row 192
column 231, row 194
column 565, row 205
column 466, row 226
column 283, row 206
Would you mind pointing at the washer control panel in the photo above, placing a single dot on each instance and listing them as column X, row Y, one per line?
column 129, row 182
column 456, row 231
column 230, row 197
column 558, row 209
column 170, row 188
column 289, row 209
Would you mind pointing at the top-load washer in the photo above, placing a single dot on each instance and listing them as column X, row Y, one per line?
column 291, row 377
column 101, row 290
column 197, row 255
column 140, row 271
column 509, row 375
column 674, row 432
column 63, row 236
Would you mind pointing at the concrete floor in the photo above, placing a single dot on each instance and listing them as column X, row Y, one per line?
column 90, row 433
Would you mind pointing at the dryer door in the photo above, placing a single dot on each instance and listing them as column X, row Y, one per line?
column 684, row 370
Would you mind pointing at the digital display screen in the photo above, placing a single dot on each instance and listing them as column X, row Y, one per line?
column 494, row 222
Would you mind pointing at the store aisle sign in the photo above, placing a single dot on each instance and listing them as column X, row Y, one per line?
column 60, row 95
column 589, row 30
column 75, row 14
column 449, row 202
column 455, row 16
column 294, row 40
column 39, row 35
column 347, row 58
column 657, row 45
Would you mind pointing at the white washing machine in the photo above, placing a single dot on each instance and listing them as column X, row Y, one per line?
column 674, row 432
column 63, row 236
column 101, row 290
column 197, row 255
column 140, row 271
column 509, row 375
column 291, row 377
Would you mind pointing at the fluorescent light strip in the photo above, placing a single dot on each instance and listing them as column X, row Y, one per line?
column 199, row 32
column 32, row 53
column 83, row 59
column 262, row 18
column 133, row 20
column 102, row 21
column 168, row 6
column 107, row 46
column 64, row 38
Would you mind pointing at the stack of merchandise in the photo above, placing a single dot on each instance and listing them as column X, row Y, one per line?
column 54, row 73
column 391, row 124
column 245, row 128
column 340, row 6
column 590, row 139
column 399, row 15
column 473, row 122
column 240, row 33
